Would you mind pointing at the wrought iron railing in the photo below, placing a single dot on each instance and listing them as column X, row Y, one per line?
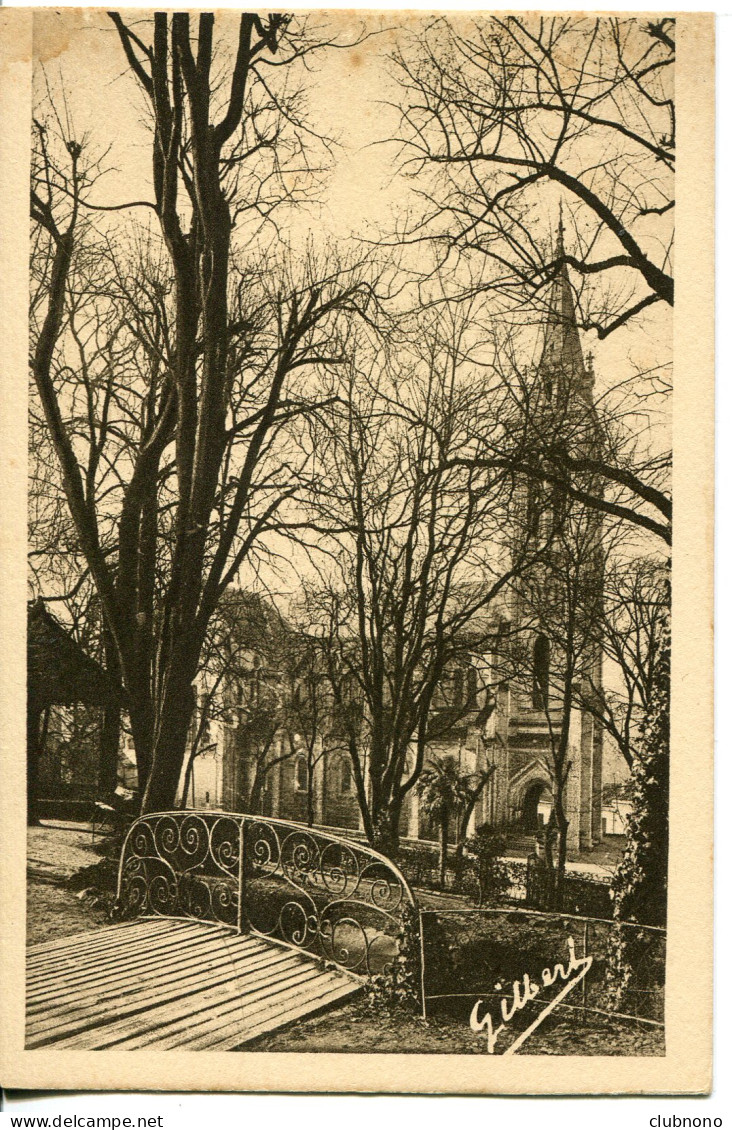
column 296, row 885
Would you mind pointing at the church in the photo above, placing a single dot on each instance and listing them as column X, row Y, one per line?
column 520, row 708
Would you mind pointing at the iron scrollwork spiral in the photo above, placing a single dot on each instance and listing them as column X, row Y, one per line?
column 318, row 892
column 298, row 886
column 183, row 865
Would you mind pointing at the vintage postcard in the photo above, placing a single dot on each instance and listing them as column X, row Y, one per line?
column 356, row 701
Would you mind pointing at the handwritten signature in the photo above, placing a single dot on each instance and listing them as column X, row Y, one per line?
column 525, row 991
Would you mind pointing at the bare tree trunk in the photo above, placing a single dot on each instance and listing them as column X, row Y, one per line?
column 464, row 820
column 188, row 778
column 385, row 818
column 110, row 729
column 254, row 803
column 310, row 814
column 170, row 749
column 444, row 821
column 558, row 873
column 361, row 795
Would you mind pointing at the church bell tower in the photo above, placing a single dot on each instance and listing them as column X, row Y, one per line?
column 565, row 588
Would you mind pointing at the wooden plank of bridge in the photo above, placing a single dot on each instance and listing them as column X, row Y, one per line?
column 166, row 983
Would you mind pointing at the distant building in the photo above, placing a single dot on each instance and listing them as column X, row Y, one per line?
column 616, row 808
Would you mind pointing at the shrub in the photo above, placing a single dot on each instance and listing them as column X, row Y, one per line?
column 419, row 865
column 483, row 854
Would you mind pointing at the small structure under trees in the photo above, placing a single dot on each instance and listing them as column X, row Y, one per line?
column 60, row 673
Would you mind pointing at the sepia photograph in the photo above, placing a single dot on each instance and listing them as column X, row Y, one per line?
column 351, row 425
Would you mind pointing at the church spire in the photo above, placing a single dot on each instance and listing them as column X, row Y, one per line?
column 562, row 363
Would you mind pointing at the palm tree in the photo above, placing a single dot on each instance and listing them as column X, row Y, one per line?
column 445, row 792
column 472, row 785
column 441, row 793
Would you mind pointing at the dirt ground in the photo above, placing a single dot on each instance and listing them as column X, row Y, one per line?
column 55, row 909
column 355, row 1028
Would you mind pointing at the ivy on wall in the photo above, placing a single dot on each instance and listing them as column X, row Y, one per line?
column 641, row 881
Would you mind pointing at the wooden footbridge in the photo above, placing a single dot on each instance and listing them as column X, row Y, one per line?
column 226, row 927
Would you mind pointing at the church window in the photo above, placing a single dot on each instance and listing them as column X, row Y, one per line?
column 346, row 776
column 301, row 775
column 471, row 701
column 540, row 693
column 451, row 686
column 533, row 509
column 559, row 506
column 205, row 735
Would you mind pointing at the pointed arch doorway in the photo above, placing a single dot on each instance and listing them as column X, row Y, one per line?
column 536, row 806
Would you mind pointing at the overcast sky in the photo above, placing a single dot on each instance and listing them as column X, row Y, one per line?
column 349, row 92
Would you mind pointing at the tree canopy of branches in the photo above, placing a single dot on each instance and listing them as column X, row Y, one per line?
column 630, row 633
column 419, row 553
column 169, row 364
column 504, row 121
column 498, row 111
column 599, row 450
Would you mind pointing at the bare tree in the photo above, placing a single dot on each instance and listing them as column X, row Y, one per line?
column 218, row 349
column 634, row 612
column 243, row 687
column 270, row 682
column 58, row 571
column 325, row 616
column 417, row 557
column 499, row 110
column 284, row 711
